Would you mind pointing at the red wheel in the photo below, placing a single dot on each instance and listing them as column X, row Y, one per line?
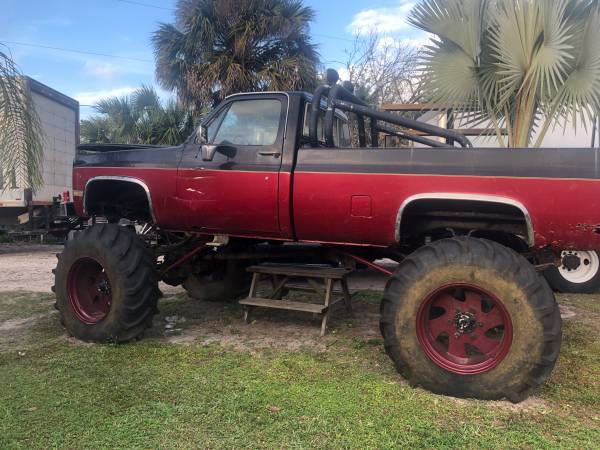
column 464, row 329
column 89, row 291
column 471, row 318
column 106, row 284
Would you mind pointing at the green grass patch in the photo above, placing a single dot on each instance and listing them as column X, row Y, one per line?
column 151, row 394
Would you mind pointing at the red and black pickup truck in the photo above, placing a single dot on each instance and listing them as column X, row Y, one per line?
column 297, row 177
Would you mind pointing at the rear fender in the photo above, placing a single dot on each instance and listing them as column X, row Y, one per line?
column 474, row 198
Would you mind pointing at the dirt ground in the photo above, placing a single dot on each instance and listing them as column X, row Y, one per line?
column 28, row 267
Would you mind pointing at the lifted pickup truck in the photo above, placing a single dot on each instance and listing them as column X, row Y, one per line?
column 275, row 176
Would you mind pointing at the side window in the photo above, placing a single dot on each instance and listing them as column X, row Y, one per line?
column 341, row 131
column 250, row 122
column 214, row 126
column 344, row 134
column 320, row 121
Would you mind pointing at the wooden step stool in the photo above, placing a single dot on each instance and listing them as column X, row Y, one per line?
column 282, row 274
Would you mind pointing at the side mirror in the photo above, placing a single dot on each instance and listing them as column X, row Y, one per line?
column 208, row 152
column 201, row 135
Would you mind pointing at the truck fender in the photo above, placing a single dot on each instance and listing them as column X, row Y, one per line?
column 467, row 197
column 122, row 179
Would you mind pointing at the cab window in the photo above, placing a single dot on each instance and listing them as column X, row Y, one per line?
column 212, row 128
column 249, row 122
column 341, row 130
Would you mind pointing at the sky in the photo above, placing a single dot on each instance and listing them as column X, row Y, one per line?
column 111, row 48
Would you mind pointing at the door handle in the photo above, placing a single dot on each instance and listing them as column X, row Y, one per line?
column 274, row 154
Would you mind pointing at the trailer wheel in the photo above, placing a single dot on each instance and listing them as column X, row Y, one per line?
column 106, row 285
column 579, row 272
column 471, row 318
column 228, row 282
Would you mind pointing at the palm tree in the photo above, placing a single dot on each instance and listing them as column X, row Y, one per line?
column 523, row 65
column 21, row 148
column 219, row 47
column 138, row 119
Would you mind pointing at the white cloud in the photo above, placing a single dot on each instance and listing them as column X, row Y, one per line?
column 344, row 73
column 381, row 20
column 92, row 97
column 106, row 71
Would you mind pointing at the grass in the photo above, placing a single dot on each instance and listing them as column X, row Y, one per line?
column 152, row 394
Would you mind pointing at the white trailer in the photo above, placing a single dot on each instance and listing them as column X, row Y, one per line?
column 59, row 117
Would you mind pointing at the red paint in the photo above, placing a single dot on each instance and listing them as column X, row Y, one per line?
column 286, row 224
column 361, row 206
column 160, row 182
column 89, row 291
column 556, row 206
column 564, row 212
column 487, row 330
column 229, row 200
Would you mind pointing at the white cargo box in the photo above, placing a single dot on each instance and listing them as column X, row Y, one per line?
column 59, row 117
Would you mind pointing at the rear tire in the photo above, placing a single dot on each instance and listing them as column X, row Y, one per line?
column 227, row 283
column 585, row 279
column 106, row 285
column 498, row 332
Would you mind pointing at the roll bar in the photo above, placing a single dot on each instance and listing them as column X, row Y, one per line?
column 340, row 96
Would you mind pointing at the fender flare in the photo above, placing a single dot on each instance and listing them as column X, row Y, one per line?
column 133, row 180
column 468, row 197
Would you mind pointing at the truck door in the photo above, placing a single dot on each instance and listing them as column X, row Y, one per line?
column 234, row 189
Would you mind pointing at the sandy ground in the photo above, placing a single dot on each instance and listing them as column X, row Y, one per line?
column 28, row 267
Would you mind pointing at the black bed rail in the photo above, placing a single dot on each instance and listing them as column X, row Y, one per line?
column 340, row 96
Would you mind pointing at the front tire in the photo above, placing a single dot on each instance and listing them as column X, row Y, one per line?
column 583, row 279
column 471, row 318
column 106, row 285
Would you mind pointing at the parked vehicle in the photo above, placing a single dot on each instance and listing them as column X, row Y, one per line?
column 22, row 209
column 577, row 273
column 465, row 313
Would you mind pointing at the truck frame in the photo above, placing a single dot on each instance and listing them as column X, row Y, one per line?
column 272, row 176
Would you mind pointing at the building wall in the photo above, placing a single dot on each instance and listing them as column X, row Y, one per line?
column 59, row 122
column 59, row 126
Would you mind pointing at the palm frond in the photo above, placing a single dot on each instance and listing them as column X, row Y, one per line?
column 21, row 142
column 138, row 119
column 525, row 65
column 219, row 47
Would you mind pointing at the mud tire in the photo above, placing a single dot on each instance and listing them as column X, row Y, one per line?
column 525, row 295
column 226, row 284
column 130, row 269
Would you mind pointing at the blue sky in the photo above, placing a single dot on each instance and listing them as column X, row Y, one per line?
column 122, row 28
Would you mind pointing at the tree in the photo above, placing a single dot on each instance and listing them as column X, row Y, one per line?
column 138, row 119
column 382, row 69
column 525, row 65
column 21, row 149
column 220, row 47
